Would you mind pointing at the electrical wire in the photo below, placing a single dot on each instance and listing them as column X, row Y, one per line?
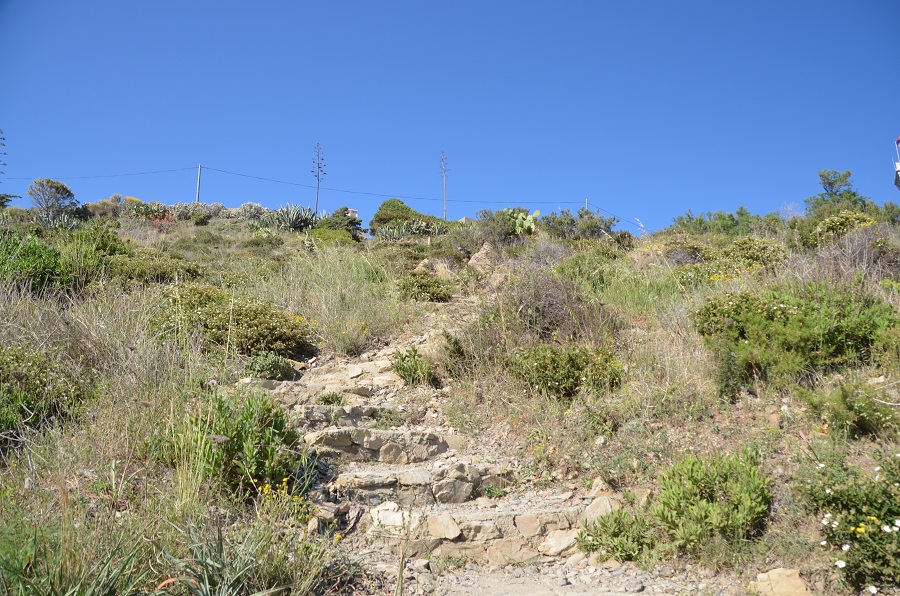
column 103, row 175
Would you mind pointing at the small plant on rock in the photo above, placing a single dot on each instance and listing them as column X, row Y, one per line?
column 412, row 368
column 269, row 365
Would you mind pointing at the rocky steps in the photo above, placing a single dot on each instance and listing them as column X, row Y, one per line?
column 421, row 492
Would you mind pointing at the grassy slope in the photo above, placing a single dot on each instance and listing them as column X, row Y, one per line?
column 94, row 487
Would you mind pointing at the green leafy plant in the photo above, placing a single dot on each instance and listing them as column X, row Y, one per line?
column 561, row 371
column 619, row 534
column 424, row 287
column 838, row 226
column 246, row 444
column 269, row 365
column 36, row 389
column 294, row 218
column 725, row 496
column 146, row 267
column 860, row 516
column 854, row 410
column 247, row 326
column 782, row 335
column 30, row 261
column 413, row 368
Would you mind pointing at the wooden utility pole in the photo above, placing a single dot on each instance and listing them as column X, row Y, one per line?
column 199, row 169
column 444, row 171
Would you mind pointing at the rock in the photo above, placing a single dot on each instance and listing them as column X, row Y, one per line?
column 599, row 487
column 484, row 259
column 514, row 550
column 421, row 565
column 528, row 525
column 558, row 542
column 443, row 526
column 598, row 508
column 312, row 528
column 480, row 530
column 414, row 477
column 778, row 582
column 353, row 372
column 634, row 585
column 452, row 491
column 391, row 519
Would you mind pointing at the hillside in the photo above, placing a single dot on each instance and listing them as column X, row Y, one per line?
column 206, row 400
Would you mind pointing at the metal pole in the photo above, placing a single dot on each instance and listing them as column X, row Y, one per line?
column 199, row 169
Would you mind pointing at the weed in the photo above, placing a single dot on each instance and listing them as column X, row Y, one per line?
column 269, row 365
column 424, row 287
column 413, row 368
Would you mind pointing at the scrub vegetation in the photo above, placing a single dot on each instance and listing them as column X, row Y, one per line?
column 739, row 371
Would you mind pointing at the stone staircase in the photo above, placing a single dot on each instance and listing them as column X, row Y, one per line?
column 417, row 489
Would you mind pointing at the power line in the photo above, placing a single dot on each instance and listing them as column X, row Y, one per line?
column 619, row 217
column 102, row 175
column 375, row 194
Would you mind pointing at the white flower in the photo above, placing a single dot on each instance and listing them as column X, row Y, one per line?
column 887, row 528
column 872, row 590
column 820, row 466
column 824, row 543
column 845, row 547
column 827, row 491
column 877, row 468
column 897, row 523
column 840, row 564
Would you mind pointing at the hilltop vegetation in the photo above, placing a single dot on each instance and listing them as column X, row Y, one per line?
column 738, row 370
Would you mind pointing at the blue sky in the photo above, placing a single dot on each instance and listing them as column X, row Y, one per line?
column 645, row 108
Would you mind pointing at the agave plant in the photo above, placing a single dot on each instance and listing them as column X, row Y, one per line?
column 58, row 221
column 295, row 218
column 393, row 232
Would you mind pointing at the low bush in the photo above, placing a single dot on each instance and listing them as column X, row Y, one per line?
column 853, row 410
column 247, row 443
column 150, row 267
column 785, row 335
column 413, row 368
column 28, row 260
column 860, row 516
column 36, row 389
column 424, row 287
column 330, row 236
column 223, row 320
column 725, row 496
column 589, row 268
column 269, row 365
column 619, row 534
column 838, row 226
column 561, row 371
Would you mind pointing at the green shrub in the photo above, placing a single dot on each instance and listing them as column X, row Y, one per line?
column 340, row 219
column 784, row 335
column 838, row 226
column 36, row 389
column 395, row 210
column 589, row 269
column 248, row 445
column 750, row 251
column 860, row 517
column 200, row 219
column 619, row 534
column 412, row 368
column 850, row 409
column 330, row 236
column 424, row 287
column 269, row 365
column 244, row 325
column 30, row 261
column 150, row 267
column 725, row 496
column 561, row 371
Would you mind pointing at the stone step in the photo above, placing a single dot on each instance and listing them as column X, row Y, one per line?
column 496, row 532
column 426, row 484
column 310, row 417
column 368, row 444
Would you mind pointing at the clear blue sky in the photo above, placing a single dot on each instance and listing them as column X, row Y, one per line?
column 646, row 108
